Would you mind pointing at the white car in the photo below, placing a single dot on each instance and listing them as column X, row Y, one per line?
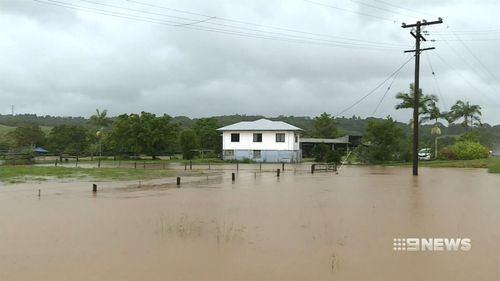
column 424, row 154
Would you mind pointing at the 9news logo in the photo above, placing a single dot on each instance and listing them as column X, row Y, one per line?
column 431, row 244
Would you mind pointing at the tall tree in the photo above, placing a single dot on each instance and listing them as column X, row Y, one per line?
column 471, row 113
column 145, row 133
column 434, row 114
column 71, row 139
column 188, row 142
column 100, row 119
column 325, row 126
column 385, row 141
column 27, row 136
column 407, row 100
column 208, row 136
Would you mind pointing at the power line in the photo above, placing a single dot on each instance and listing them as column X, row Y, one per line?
column 374, row 89
column 385, row 93
column 468, row 40
column 464, row 78
column 475, row 57
column 284, row 38
column 381, row 9
column 403, row 8
column 257, row 24
column 192, row 21
column 351, row 11
column 474, row 68
column 436, row 82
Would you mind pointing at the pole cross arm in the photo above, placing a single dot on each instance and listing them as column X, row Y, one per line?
column 424, row 49
column 440, row 20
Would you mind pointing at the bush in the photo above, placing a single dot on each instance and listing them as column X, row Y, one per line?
column 467, row 150
column 447, row 153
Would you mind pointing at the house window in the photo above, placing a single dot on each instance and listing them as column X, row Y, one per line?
column 296, row 138
column 280, row 137
column 256, row 154
column 257, row 137
column 228, row 152
column 235, row 137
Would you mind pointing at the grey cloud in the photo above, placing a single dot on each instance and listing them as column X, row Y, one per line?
column 59, row 61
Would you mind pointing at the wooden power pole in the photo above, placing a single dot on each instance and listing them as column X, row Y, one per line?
column 416, row 102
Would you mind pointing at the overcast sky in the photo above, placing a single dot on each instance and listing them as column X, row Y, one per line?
column 269, row 57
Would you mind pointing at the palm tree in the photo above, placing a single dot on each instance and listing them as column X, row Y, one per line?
column 407, row 100
column 470, row 113
column 434, row 113
column 100, row 119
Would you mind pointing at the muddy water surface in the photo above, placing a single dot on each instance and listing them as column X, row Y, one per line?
column 297, row 227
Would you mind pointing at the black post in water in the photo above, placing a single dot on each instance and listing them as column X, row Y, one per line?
column 39, row 193
column 99, row 162
column 233, row 177
column 135, row 164
column 260, row 166
column 312, row 169
column 278, row 173
column 190, row 165
column 144, row 164
column 237, row 166
column 94, row 188
column 178, row 181
column 185, row 166
column 283, row 166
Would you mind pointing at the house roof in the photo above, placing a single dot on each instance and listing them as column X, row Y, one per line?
column 344, row 139
column 260, row 125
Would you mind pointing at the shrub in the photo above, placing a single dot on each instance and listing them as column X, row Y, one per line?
column 447, row 153
column 466, row 150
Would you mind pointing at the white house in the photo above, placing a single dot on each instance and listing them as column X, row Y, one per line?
column 262, row 141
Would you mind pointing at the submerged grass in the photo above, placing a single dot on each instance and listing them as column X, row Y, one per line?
column 17, row 174
column 492, row 163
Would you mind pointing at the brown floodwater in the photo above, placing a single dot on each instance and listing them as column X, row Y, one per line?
column 296, row 227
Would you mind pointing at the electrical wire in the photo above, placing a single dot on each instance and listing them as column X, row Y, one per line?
column 404, row 8
column 259, row 25
column 192, row 21
column 376, row 88
column 436, row 81
column 473, row 87
column 284, row 38
column 385, row 93
column 381, row 9
column 351, row 11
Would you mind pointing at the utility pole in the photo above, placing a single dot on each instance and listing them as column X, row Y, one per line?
column 416, row 95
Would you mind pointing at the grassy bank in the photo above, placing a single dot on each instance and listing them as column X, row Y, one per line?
column 492, row 163
column 18, row 174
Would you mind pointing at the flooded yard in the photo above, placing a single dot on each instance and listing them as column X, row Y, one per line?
column 261, row 227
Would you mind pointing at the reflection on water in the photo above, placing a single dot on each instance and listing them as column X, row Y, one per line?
column 296, row 227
